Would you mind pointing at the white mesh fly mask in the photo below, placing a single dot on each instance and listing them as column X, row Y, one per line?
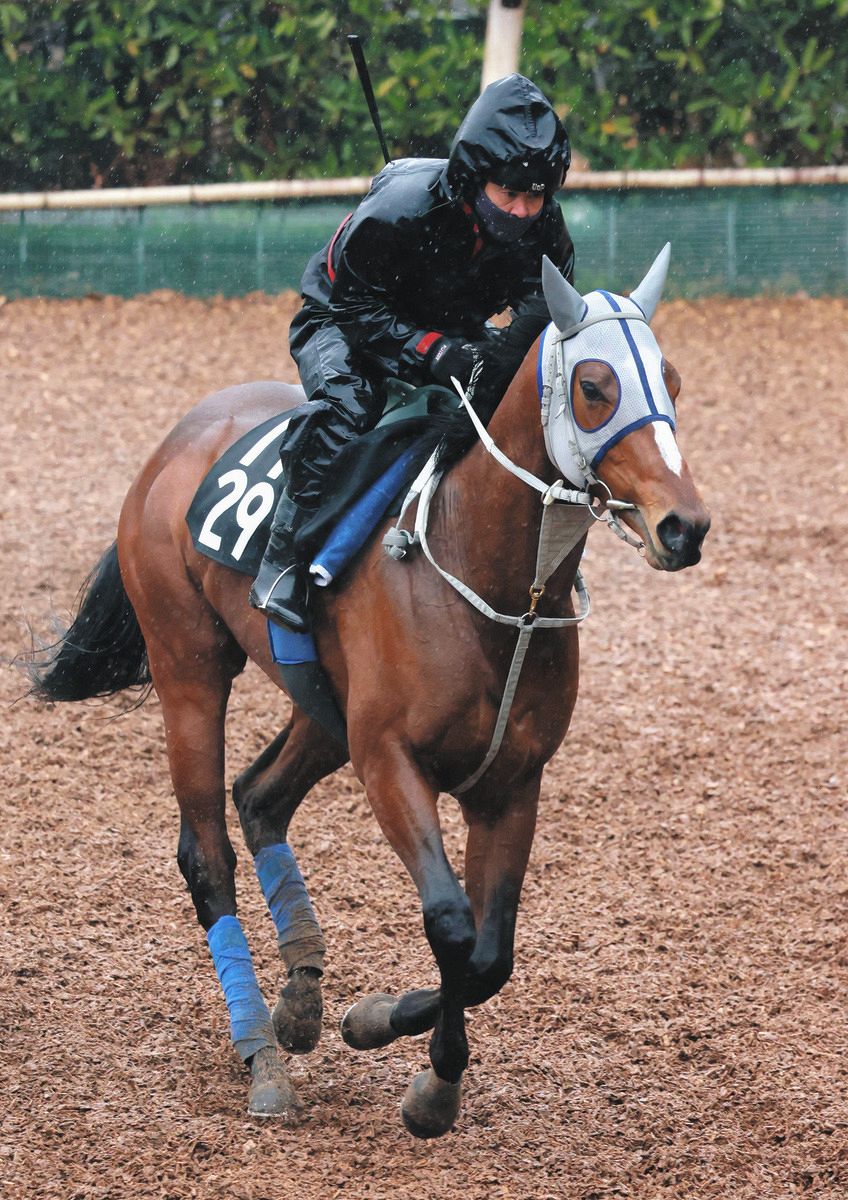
column 614, row 330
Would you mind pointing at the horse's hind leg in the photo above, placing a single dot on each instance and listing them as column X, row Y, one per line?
column 267, row 795
column 193, row 676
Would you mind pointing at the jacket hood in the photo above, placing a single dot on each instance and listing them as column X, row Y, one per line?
column 511, row 136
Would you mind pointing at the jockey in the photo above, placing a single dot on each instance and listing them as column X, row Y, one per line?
column 404, row 289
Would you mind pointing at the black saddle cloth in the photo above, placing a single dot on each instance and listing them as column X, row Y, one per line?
column 231, row 513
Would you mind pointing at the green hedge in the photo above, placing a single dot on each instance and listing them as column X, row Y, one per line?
column 107, row 92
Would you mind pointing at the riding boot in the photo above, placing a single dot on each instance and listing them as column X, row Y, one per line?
column 280, row 588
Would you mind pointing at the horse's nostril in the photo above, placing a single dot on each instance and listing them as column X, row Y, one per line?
column 672, row 533
column 682, row 538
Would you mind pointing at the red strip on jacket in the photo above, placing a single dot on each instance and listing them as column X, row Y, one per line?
column 331, row 270
column 426, row 342
column 469, row 212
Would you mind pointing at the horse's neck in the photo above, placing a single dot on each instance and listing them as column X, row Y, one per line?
column 516, row 426
column 487, row 519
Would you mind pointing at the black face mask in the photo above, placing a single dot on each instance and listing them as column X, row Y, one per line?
column 500, row 225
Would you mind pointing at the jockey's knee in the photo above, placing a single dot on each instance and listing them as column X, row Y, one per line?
column 334, row 419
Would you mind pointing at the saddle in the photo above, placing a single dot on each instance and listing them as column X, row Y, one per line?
column 230, row 515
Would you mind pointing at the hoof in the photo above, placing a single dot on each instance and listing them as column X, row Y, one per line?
column 271, row 1093
column 366, row 1025
column 430, row 1106
column 298, row 1012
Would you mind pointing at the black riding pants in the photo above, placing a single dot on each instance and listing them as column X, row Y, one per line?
column 343, row 404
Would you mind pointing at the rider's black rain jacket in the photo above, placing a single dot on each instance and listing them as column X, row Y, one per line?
column 411, row 263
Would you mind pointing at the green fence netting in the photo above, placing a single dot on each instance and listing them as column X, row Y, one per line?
column 733, row 241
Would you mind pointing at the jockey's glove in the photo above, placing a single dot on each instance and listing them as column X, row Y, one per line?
column 451, row 358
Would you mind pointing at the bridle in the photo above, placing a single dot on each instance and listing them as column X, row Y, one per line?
column 556, row 384
column 554, row 546
column 600, row 509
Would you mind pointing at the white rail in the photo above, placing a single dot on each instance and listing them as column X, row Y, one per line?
column 205, row 193
column 297, row 189
column 696, row 177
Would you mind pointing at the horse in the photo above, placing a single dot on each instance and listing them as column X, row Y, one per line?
column 442, row 667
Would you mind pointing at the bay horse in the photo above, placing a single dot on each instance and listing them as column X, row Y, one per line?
column 422, row 661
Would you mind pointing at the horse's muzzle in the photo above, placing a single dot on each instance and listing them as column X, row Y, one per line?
column 681, row 540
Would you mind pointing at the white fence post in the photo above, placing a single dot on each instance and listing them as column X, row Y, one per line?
column 502, row 48
column 139, row 248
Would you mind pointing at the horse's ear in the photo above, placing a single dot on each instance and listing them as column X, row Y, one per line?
column 647, row 294
column 565, row 304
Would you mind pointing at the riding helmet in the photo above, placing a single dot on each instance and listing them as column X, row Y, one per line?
column 511, row 136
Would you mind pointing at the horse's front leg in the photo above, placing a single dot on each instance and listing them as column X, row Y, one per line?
column 497, row 849
column 496, row 853
column 405, row 805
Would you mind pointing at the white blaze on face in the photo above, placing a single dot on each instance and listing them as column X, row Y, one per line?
column 667, row 444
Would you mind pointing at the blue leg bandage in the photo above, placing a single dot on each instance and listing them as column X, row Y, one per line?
column 250, row 1020
column 298, row 932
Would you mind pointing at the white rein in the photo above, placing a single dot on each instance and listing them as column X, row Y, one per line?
column 561, row 528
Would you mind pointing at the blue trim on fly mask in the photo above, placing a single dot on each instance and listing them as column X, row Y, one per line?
column 640, row 366
column 622, row 433
column 656, row 415
column 250, row 1020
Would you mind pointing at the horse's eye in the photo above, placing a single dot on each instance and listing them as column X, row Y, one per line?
column 591, row 391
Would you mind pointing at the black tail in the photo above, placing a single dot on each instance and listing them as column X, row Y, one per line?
column 103, row 652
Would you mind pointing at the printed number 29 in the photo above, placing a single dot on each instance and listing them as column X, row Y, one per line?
column 253, row 507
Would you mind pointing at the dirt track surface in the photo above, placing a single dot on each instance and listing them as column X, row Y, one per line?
column 677, row 1025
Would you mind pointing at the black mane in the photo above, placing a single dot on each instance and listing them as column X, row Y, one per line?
column 458, row 434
